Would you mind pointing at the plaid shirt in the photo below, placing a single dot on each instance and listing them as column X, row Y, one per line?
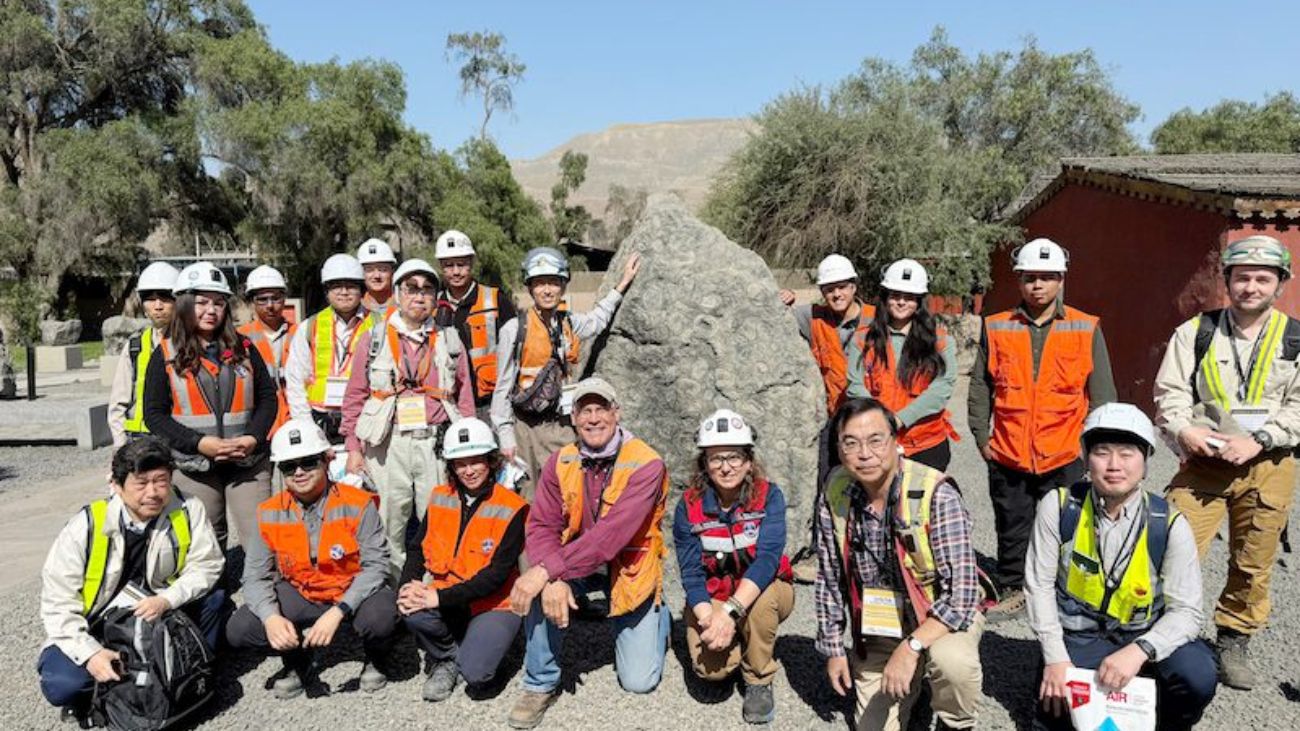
column 957, row 595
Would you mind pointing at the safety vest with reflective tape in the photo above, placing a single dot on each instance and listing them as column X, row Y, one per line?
column 320, row 340
column 397, row 375
column 97, row 545
column 260, row 336
column 636, row 572
column 1280, row 339
column 828, row 350
column 882, row 380
column 536, row 349
column 727, row 548
column 911, row 526
column 1037, row 422
column 1084, row 600
column 140, row 346
column 338, row 554
column 482, row 326
column 214, row 400
column 453, row 555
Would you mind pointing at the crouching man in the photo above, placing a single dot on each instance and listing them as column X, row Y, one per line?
column 318, row 558
column 1113, row 583
column 148, row 536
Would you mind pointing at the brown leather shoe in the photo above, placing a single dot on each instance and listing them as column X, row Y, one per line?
column 530, row 708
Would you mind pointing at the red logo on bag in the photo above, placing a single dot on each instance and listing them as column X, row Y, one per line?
column 1080, row 693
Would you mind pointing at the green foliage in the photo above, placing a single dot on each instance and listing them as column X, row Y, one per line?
column 487, row 70
column 570, row 223
column 915, row 160
column 623, row 207
column 1233, row 126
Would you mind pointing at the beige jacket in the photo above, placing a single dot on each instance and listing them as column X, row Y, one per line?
column 65, row 570
column 122, row 394
column 1178, row 407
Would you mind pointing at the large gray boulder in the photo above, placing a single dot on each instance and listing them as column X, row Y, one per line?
column 117, row 329
column 702, row 329
column 60, row 332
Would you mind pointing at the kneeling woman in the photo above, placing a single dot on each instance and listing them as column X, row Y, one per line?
column 473, row 537
column 730, row 535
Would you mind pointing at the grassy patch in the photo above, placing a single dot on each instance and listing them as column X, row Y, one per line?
column 89, row 351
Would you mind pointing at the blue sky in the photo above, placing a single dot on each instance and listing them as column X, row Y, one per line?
column 593, row 64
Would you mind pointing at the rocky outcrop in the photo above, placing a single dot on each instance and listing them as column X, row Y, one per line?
column 117, row 329
column 60, row 332
column 701, row 329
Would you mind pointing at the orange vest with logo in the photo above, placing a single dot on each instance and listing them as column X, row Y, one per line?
column 637, row 572
column 537, row 347
column 882, row 380
column 338, row 555
column 217, row 402
column 453, row 557
column 828, row 351
column 1037, row 422
column 482, row 326
column 259, row 335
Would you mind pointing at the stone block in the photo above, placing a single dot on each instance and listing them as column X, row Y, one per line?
column 57, row 358
column 60, row 332
column 92, row 427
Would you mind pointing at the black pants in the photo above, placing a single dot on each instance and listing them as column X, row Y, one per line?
column 1015, row 498
column 476, row 644
column 937, row 456
column 373, row 621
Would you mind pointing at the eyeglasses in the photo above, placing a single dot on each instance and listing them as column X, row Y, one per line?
column 268, row 299
column 411, row 291
column 877, row 445
column 306, row 464
column 734, row 460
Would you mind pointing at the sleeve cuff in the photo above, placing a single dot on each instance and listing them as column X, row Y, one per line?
column 831, row 647
column 1054, row 650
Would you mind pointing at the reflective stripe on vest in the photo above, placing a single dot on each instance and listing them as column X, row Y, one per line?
column 338, row 555
column 453, row 556
column 261, row 337
column 134, row 422
column 727, row 549
column 1213, row 379
column 536, row 350
column 1084, row 600
column 1037, row 422
column 482, row 325
column 320, row 339
column 97, row 550
column 636, row 572
column 215, row 400
column 882, row 380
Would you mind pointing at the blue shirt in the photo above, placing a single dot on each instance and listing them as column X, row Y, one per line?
column 768, row 549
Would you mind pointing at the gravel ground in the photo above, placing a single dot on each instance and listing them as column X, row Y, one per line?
column 24, row 469
column 804, row 698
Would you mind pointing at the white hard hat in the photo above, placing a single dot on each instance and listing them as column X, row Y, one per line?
column 157, row 277
column 202, row 276
column 298, row 438
column 1040, row 255
column 906, row 275
column 413, row 266
column 835, row 268
column 1118, row 418
column 264, row 277
column 453, row 243
column 375, row 251
column 468, row 438
column 342, row 266
column 724, row 428
column 545, row 261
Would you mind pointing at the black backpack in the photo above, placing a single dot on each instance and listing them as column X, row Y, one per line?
column 1213, row 320
column 168, row 670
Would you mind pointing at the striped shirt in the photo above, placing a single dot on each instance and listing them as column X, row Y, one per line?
column 957, row 595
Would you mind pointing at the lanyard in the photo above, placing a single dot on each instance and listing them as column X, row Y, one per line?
column 423, row 357
column 1243, row 377
column 343, row 346
column 1127, row 548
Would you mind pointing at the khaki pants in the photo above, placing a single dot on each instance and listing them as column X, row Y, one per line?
column 227, row 487
column 752, row 648
column 405, row 469
column 536, row 442
column 1255, row 498
column 953, row 664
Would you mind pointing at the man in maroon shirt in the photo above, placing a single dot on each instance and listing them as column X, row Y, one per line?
column 596, row 514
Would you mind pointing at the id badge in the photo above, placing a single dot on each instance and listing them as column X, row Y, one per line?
column 882, row 613
column 566, row 398
column 1250, row 419
column 334, row 388
column 410, row 413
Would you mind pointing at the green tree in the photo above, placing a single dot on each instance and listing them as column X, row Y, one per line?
column 486, row 70
column 569, row 222
column 1233, row 126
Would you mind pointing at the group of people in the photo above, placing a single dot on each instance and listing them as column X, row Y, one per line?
column 439, row 467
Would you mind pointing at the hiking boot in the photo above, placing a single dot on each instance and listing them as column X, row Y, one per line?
column 530, row 708
column 759, row 706
column 372, row 678
column 1011, row 607
column 441, row 682
column 289, row 685
column 1234, row 660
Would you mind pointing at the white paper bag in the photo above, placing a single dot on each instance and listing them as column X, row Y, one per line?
column 1093, row 709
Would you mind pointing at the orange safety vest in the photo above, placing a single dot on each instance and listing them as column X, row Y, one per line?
column 399, row 373
column 881, row 379
column 338, row 555
column 453, row 556
column 828, row 351
column 216, row 400
column 537, row 350
column 1037, row 423
column 259, row 335
column 320, row 340
column 482, row 326
column 637, row 571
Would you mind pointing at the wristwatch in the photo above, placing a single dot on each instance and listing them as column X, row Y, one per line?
column 343, row 607
column 915, row 645
column 1146, row 647
column 1263, row 438
column 734, row 609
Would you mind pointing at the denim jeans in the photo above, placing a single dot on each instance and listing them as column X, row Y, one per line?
column 640, row 643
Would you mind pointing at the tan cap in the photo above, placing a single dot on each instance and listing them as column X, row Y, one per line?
column 595, row 386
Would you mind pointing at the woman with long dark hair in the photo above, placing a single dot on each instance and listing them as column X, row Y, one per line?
column 208, row 394
column 909, row 365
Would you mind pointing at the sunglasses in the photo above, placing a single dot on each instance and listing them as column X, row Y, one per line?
column 306, row 464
